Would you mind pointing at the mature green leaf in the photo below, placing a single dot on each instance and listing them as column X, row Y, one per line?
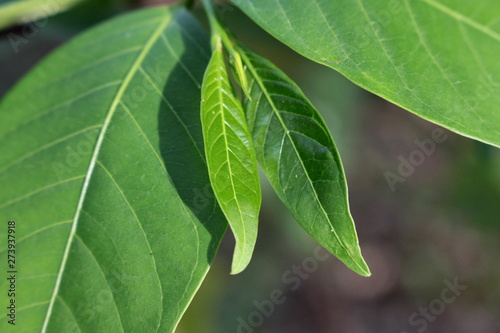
column 435, row 58
column 231, row 158
column 22, row 11
column 299, row 157
column 102, row 167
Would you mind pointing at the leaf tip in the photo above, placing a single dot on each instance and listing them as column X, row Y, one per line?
column 361, row 268
column 359, row 264
column 365, row 272
column 237, row 267
column 241, row 257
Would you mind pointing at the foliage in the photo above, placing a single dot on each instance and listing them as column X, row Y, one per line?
column 129, row 150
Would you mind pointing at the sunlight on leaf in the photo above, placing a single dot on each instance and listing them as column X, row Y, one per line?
column 437, row 59
column 298, row 155
column 231, row 158
column 103, row 158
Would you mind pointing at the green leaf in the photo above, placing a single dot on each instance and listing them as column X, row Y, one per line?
column 102, row 167
column 299, row 157
column 239, row 70
column 437, row 59
column 23, row 11
column 232, row 163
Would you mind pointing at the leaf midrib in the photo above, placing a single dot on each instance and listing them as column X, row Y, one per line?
column 114, row 105
column 226, row 143
column 271, row 102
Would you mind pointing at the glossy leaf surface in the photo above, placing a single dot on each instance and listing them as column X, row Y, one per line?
column 299, row 157
column 231, row 158
column 437, row 59
column 102, row 167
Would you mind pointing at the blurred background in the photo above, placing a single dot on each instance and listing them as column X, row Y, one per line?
column 432, row 240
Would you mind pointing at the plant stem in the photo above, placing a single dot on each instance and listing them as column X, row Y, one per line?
column 218, row 31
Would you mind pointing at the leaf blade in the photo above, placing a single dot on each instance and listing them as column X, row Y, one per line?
column 300, row 160
column 231, row 158
column 405, row 52
column 143, row 142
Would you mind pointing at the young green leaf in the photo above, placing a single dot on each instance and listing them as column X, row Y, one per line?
column 231, row 158
column 299, row 157
column 437, row 59
column 239, row 69
column 102, row 167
